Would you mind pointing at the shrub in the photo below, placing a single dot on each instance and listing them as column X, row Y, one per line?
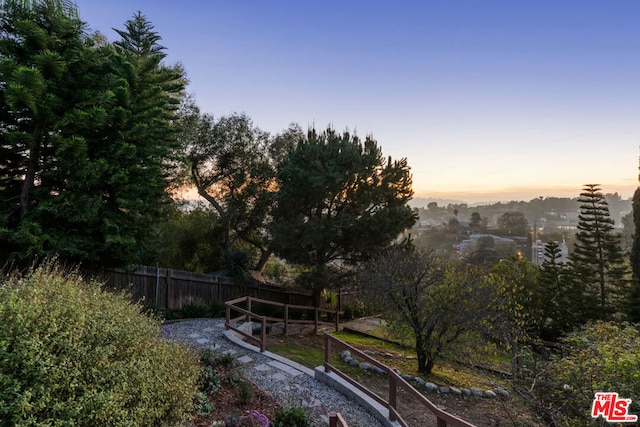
column 601, row 357
column 292, row 417
column 74, row 354
column 209, row 380
column 203, row 405
column 245, row 392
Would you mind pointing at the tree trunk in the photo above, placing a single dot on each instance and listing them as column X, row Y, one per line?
column 425, row 365
column 264, row 257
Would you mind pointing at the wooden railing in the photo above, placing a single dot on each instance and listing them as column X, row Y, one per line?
column 395, row 380
column 246, row 315
column 336, row 420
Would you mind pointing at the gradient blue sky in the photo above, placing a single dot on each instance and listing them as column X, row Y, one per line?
column 488, row 100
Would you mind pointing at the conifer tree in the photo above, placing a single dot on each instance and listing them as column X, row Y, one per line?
column 41, row 47
column 339, row 203
column 634, row 300
column 597, row 259
column 90, row 128
column 559, row 294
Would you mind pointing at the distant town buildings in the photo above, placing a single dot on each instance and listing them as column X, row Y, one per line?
column 538, row 256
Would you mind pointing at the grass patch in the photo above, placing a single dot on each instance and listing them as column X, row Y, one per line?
column 306, row 356
column 446, row 372
column 371, row 343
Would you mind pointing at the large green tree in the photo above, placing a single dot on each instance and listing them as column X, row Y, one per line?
column 232, row 163
column 339, row 202
column 513, row 224
column 597, row 261
column 88, row 127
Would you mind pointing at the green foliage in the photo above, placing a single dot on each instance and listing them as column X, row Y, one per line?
column 88, row 136
column 191, row 239
column 226, row 359
column 209, row 380
column 230, row 163
column 517, row 308
column 245, row 392
column 74, row 353
column 513, row 224
column 559, row 293
column 435, row 299
column 236, row 264
column 292, row 417
column 601, row 357
column 597, row 260
column 339, row 202
column 633, row 307
column 202, row 404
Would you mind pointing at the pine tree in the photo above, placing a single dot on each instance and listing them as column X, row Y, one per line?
column 559, row 293
column 90, row 129
column 597, row 259
column 41, row 46
column 339, row 203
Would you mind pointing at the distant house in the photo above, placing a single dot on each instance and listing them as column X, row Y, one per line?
column 470, row 245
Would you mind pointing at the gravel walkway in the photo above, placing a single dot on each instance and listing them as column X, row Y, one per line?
column 289, row 383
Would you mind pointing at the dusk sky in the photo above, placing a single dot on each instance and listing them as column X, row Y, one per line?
column 488, row 100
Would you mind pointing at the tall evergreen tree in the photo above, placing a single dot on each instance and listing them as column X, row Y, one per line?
column 41, row 47
column 91, row 128
column 339, row 203
column 597, row 259
column 560, row 295
column 634, row 300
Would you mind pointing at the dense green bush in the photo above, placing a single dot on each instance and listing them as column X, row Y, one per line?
column 601, row 357
column 73, row 354
column 292, row 417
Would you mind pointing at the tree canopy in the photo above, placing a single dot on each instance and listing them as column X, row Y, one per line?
column 597, row 260
column 513, row 224
column 339, row 202
column 436, row 299
column 232, row 163
column 86, row 129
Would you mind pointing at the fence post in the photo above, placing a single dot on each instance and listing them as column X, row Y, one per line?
column 392, row 395
column 441, row 422
column 228, row 310
column 263, row 335
column 167, row 293
column 327, row 352
column 337, row 321
column 315, row 321
column 248, row 316
column 286, row 320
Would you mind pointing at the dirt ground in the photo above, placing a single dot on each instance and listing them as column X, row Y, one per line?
column 228, row 402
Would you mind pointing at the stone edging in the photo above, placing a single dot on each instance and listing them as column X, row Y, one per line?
column 420, row 383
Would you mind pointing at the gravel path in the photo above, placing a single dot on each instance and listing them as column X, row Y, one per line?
column 287, row 382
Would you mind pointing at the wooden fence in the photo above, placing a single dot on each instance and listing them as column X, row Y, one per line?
column 172, row 289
